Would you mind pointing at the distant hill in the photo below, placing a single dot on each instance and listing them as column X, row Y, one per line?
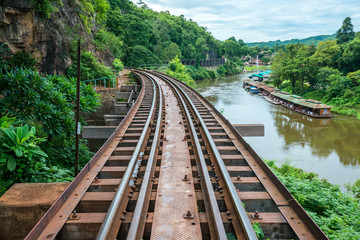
column 310, row 40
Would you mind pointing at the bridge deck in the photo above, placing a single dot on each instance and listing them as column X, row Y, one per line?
column 135, row 187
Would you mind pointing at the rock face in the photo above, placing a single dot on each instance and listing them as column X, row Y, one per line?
column 48, row 39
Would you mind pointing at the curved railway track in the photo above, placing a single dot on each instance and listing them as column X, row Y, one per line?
column 175, row 168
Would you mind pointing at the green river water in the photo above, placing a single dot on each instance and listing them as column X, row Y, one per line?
column 328, row 147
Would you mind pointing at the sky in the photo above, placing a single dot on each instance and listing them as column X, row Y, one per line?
column 264, row 20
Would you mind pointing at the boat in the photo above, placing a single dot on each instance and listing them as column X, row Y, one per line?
column 254, row 90
column 296, row 103
column 270, row 100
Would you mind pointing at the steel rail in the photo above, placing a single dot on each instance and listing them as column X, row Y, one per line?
column 106, row 228
column 240, row 210
column 215, row 212
column 139, row 217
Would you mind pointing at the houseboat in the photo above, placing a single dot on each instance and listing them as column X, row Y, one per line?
column 254, row 90
column 308, row 107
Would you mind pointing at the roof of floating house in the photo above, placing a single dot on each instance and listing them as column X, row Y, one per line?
column 261, row 74
column 310, row 103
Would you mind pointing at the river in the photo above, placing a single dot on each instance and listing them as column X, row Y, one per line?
column 328, row 147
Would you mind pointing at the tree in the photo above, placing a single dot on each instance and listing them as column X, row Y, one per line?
column 350, row 60
column 171, row 51
column 294, row 64
column 201, row 49
column 162, row 37
column 265, row 59
column 130, row 28
column 324, row 75
column 346, row 32
column 355, row 77
column 139, row 55
column 326, row 53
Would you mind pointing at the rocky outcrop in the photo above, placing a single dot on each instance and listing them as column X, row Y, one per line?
column 49, row 40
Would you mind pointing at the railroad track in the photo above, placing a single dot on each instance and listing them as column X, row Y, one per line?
column 175, row 168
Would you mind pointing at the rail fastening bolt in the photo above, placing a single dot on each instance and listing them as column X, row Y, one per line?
column 185, row 179
column 188, row 215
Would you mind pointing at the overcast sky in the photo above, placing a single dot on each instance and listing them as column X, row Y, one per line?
column 264, row 20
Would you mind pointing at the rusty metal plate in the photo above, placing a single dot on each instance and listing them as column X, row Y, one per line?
column 296, row 224
column 176, row 193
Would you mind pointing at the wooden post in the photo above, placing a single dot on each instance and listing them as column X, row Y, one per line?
column 78, row 126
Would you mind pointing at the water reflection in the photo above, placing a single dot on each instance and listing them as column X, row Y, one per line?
column 329, row 147
column 323, row 135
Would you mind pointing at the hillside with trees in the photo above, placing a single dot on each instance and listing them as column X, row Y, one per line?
column 308, row 41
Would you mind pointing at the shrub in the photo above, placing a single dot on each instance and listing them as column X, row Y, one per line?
column 336, row 213
column 139, row 55
column 118, row 65
column 177, row 70
column 20, row 153
column 4, row 57
column 199, row 73
column 47, row 102
column 91, row 68
column 23, row 59
column 106, row 40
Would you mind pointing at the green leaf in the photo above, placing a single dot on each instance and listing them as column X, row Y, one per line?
column 11, row 134
column 18, row 153
column 19, row 134
column 39, row 152
column 11, row 164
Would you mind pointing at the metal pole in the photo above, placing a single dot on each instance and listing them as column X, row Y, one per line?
column 78, row 127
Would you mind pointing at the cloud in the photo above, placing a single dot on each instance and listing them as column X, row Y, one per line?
column 264, row 20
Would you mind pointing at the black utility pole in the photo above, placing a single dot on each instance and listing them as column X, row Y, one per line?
column 78, row 126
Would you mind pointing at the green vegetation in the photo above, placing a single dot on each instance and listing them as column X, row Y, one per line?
column 106, row 40
column 43, row 107
column 336, row 213
column 118, row 65
column 308, row 41
column 329, row 72
column 259, row 232
column 91, row 68
column 177, row 70
column 46, row 7
column 122, row 99
column 254, row 68
column 136, row 35
column 199, row 73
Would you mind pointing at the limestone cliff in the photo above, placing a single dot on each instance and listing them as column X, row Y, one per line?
column 22, row 28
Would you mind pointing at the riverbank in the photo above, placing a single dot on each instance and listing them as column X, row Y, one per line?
column 336, row 213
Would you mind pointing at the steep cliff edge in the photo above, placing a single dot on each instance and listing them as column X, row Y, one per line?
column 50, row 40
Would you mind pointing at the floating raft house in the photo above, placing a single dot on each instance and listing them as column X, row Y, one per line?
column 297, row 103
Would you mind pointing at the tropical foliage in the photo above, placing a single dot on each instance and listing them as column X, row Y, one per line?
column 336, row 213
column 177, row 70
column 44, row 103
